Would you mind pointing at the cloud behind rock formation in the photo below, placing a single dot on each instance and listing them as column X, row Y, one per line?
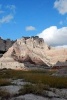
column 54, row 36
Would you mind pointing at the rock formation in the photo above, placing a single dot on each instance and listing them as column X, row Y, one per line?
column 5, row 45
column 32, row 53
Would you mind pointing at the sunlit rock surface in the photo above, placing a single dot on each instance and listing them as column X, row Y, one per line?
column 32, row 52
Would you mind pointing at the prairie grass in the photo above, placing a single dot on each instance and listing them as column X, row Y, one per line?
column 52, row 81
column 33, row 88
column 36, row 77
column 4, row 82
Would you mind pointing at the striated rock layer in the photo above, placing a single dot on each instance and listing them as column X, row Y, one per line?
column 32, row 52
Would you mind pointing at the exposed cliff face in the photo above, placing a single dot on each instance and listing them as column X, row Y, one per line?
column 27, row 52
column 5, row 45
column 31, row 52
column 57, row 55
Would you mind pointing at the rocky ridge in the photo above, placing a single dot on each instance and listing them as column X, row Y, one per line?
column 32, row 52
column 5, row 45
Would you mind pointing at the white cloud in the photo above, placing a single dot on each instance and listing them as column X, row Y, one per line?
column 61, row 6
column 11, row 7
column 6, row 19
column 63, row 46
column 30, row 28
column 54, row 36
column 9, row 13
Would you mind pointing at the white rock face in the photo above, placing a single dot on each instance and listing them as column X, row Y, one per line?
column 30, row 52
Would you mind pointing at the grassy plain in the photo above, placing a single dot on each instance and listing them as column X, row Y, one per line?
column 35, row 77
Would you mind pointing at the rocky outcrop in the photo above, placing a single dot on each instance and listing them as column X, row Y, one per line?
column 32, row 53
column 5, row 45
column 27, row 52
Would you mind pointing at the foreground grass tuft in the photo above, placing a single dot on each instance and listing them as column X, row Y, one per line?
column 4, row 94
column 4, row 82
column 33, row 88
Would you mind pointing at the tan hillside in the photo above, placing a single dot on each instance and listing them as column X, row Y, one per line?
column 32, row 52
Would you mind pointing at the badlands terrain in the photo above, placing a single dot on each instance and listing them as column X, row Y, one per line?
column 32, row 53
column 32, row 70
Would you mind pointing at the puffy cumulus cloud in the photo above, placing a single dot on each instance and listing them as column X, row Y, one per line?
column 61, row 6
column 54, row 36
column 6, row 19
column 30, row 28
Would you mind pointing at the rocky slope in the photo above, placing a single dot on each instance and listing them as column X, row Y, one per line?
column 32, row 52
column 5, row 45
column 13, row 90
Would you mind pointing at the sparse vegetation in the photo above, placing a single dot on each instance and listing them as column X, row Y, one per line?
column 4, row 94
column 35, row 77
column 33, row 88
column 4, row 82
column 52, row 81
column 40, row 82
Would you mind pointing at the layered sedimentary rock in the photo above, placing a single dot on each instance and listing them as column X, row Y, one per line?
column 26, row 52
column 32, row 52
column 56, row 55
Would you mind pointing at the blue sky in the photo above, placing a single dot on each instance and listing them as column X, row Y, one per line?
column 32, row 17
